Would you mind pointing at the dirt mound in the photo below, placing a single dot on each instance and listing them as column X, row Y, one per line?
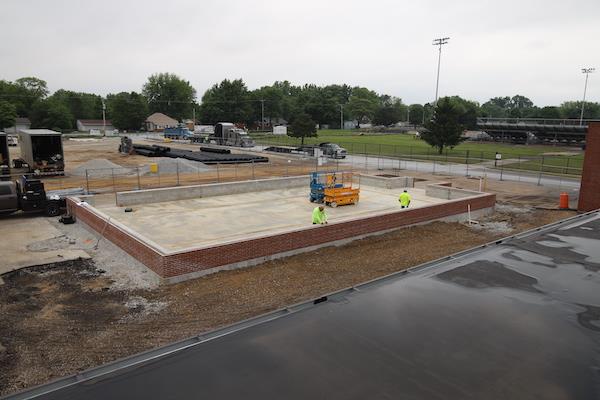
column 99, row 167
column 175, row 165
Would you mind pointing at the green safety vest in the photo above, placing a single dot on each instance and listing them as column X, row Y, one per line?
column 318, row 216
column 404, row 199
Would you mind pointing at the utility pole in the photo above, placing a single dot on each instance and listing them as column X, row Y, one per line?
column 439, row 42
column 262, row 114
column 194, row 114
column 103, row 118
column 341, row 116
column 587, row 72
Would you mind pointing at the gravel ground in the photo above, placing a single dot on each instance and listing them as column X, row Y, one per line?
column 60, row 319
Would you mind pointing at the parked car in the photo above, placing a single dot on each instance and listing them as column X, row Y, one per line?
column 333, row 150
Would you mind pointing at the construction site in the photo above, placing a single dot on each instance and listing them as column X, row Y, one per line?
column 165, row 248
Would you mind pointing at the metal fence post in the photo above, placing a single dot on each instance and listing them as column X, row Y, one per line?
column 567, row 167
column 501, row 169
column 218, row 177
column 467, row 159
column 138, row 178
column 541, row 172
column 177, row 170
column 87, row 182
column 253, row 170
column 113, row 180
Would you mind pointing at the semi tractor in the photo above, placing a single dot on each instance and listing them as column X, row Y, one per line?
column 42, row 150
column 227, row 134
column 4, row 157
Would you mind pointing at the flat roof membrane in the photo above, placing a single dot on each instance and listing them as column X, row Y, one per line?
column 516, row 320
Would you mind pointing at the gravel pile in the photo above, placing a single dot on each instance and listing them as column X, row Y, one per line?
column 173, row 165
column 100, row 167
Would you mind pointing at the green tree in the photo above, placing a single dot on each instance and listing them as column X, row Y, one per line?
column 51, row 114
column 322, row 106
column 468, row 111
column 23, row 93
column 445, row 129
column 303, row 126
column 169, row 94
column 8, row 114
column 389, row 111
column 34, row 86
column 548, row 112
column 81, row 105
column 572, row 109
column 415, row 116
column 362, row 104
column 128, row 111
column 490, row 109
column 228, row 101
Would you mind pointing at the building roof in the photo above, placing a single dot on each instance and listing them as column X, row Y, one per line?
column 23, row 121
column 518, row 318
column 94, row 121
column 161, row 119
column 39, row 132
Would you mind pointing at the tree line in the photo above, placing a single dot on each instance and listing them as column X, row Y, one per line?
column 231, row 100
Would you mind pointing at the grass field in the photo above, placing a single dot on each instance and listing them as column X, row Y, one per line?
column 556, row 159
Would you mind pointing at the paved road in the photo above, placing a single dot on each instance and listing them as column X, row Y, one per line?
column 359, row 162
column 514, row 320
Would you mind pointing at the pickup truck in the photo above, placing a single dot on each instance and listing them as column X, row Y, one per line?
column 28, row 195
column 333, row 150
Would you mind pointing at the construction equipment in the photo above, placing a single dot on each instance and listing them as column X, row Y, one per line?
column 126, row 146
column 333, row 188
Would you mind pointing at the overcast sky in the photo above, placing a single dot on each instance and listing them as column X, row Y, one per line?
column 529, row 47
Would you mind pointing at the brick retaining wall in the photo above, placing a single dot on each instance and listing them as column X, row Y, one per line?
column 202, row 259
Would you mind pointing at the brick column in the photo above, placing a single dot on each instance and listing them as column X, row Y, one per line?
column 589, row 194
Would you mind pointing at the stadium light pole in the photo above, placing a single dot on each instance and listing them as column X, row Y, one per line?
column 587, row 72
column 103, row 118
column 341, row 116
column 439, row 42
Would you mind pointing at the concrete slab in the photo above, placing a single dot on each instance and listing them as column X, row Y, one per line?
column 178, row 225
column 20, row 233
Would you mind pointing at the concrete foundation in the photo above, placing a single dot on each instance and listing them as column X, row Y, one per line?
column 231, row 226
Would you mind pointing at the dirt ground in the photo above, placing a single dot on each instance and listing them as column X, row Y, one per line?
column 63, row 318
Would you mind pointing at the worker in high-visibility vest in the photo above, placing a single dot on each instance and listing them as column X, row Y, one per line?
column 319, row 216
column 404, row 199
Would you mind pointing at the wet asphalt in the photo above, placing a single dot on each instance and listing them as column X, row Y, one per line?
column 517, row 320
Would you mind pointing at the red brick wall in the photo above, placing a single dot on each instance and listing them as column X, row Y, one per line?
column 173, row 265
column 589, row 193
column 198, row 260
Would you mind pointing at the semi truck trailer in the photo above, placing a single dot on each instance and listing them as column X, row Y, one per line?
column 42, row 150
column 4, row 157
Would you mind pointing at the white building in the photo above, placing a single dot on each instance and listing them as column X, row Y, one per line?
column 95, row 126
column 280, row 130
